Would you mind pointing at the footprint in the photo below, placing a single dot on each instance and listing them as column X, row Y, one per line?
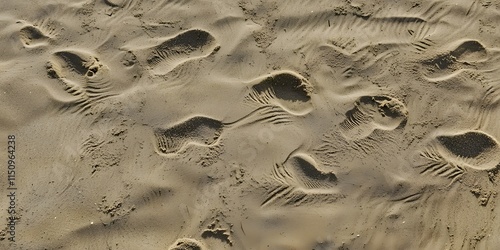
column 465, row 55
column 206, row 131
column 82, row 74
column 187, row 244
column 452, row 154
column 286, row 89
column 470, row 51
column 304, row 171
column 299, row 180
column 476, row 149
column 198, row 130
column 31, row 36
column 219, row 229
column 188, row 45
column 371, row 113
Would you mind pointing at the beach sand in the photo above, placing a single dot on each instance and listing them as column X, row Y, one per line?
column 252, row 124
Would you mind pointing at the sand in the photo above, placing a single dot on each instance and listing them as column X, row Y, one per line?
column 182, row 124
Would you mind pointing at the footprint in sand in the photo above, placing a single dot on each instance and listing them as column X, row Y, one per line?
column 187, row 244
column 35, row 35
column 286, row 89
column 206, row 131
column 276, row 98
column 464, row 55
column 371, row 113
column 173, row 51
column 298, row 181
column 450, row 155
column 82, row 75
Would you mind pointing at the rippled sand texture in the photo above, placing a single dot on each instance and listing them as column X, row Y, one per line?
column 182, row 124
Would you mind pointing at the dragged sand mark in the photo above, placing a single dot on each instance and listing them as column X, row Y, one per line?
column 335, row 150
column 187, row 244
column 366, row 29
column 283, row 195
column 286, row 89
column 436, row 165
column 206, row 131
column 154, row 194
column 371, row 113
column 299, row 181
column 188, row 45
column 410, row 198
column 83, row 76
column 422, row 46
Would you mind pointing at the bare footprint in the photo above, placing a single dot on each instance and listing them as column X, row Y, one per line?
column 286, row 89
column 206, row 131
column 173, row 51
column 82, row 74
column 371, row 113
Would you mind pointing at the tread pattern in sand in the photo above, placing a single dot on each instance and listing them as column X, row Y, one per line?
column 286, row 89
column 373, row 112
column 83, row 76
column 201, row 130
column 185, row 46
